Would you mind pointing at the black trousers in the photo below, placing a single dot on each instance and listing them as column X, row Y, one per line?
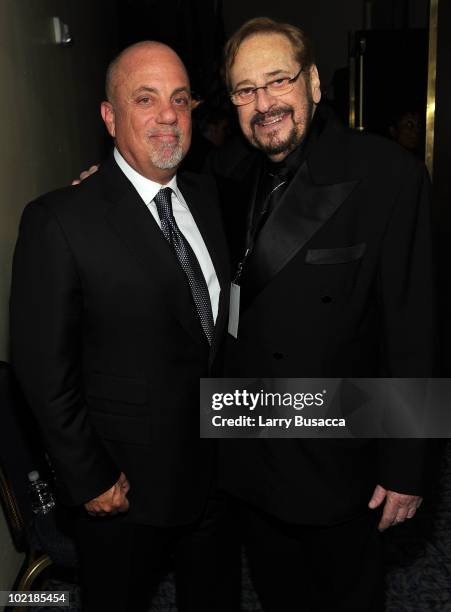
column 310, row 568
column 121, row 564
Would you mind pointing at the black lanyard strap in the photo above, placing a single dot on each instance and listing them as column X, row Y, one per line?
column 257, row 223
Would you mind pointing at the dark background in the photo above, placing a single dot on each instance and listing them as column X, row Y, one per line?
column 397, row 34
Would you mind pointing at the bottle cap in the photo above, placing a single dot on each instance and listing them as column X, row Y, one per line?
column 33, row 476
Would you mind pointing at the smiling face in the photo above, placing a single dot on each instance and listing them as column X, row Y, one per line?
column 274, row 124
column 149, row 111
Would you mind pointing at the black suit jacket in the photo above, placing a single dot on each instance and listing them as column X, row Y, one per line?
column 108, row 347
column 340, row 284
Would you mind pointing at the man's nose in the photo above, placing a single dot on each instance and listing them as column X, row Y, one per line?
column 263, row 100
column 167, row 113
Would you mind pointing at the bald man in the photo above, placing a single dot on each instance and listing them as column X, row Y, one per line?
column 118, row 305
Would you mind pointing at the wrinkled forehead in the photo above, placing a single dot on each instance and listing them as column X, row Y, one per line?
column 159, row 69
column 262, row 55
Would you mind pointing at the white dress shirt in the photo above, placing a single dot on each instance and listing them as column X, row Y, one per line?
column 148, row 189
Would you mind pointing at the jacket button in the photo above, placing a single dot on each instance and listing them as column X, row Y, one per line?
column 277, row 355
column 326, row 299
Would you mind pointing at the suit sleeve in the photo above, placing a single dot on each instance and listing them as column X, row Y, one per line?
column 407, row 283
column 46, row 350
column 408, row 302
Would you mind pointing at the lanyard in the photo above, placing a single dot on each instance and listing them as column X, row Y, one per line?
column 255, row 228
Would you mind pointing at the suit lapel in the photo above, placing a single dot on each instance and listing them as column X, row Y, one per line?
column 251, row 189
column 134, row 224
column 237, row 193
column 202, row 200
column 305, row 207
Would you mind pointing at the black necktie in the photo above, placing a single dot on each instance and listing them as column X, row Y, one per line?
column 278, row 184
column 187, row 260
column 273, row 187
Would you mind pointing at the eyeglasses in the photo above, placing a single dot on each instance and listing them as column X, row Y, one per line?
column 278, row 87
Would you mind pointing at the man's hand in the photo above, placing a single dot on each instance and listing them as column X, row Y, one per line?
column 112, row 501
column 85, row 174
column 398, row 507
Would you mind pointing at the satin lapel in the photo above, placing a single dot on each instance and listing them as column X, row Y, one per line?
column 301, row 212
column 250, row 187
column 202, row 200
column 134, row 224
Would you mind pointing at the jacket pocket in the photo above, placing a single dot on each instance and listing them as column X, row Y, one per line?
column 336, row 256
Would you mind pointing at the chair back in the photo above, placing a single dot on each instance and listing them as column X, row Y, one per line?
column 20, row 453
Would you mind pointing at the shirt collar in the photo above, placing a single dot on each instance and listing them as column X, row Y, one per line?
column 146, row 188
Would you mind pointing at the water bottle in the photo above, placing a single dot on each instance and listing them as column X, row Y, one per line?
column 41, row 496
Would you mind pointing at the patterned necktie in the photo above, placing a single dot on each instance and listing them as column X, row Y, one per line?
column 187, row 260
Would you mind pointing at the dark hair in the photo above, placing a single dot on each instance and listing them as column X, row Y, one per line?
column 300, row 43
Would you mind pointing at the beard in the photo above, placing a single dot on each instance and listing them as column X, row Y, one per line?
column 273, row 143
column 166, row 155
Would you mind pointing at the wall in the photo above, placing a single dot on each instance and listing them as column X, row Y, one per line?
column 441, row 173
column 51, row 128
column 327, row 22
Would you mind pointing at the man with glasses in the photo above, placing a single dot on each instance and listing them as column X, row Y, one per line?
column 334, row 279
column 118, row 303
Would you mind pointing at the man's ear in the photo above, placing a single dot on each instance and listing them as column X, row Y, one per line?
column 107, row 112
column 315, row 85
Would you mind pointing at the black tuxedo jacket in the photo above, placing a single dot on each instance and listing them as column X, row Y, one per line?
column 108, row 346
column 340, row 284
